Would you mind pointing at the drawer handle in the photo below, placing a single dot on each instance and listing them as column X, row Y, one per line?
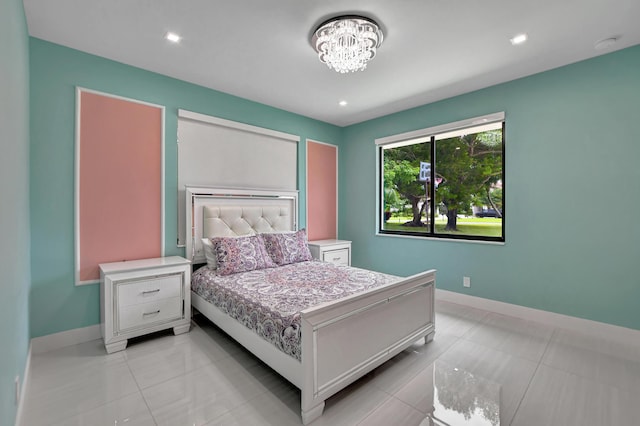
column 151, row 291
column 336, row 259
column 151, row 313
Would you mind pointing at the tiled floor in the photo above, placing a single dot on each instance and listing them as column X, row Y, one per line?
column 544, row 376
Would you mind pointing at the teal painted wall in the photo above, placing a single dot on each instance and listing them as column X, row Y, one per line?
column 570, row 184
column 14, row 204
column 572, row 199
column 56, row 304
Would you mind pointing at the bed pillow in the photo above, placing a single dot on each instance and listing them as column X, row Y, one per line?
column 210, row 253
column 240, row 254
column 287, row 247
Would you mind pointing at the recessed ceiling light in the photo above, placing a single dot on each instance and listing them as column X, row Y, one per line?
column 342, row 103
column 172, row 37
column 519, row 39
column 605, row 43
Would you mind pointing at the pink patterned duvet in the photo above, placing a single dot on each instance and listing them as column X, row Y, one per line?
column 269, row 301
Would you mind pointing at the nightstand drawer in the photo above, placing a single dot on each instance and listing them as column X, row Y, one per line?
column 149, row 289
column 339, row 257
column 145, row 314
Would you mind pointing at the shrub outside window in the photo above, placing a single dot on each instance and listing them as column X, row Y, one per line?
column 444, row 182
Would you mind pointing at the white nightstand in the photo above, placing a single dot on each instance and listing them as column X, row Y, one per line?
column 142, row 296
column 334, row 251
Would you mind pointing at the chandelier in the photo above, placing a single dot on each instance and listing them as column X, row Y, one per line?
column 346, row 43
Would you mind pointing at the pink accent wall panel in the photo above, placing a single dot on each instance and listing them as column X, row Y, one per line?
column 322, row 179
column 120, row 182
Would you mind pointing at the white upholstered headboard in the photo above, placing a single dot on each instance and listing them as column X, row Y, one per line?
column 226, row 212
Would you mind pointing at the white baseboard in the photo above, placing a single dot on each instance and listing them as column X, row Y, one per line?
column 23, row 388
column 553, row 319
column 65, row 338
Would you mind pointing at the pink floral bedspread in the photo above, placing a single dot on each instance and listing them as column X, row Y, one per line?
column 269, row 301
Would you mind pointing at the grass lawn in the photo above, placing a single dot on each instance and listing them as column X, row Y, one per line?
column 481, row 226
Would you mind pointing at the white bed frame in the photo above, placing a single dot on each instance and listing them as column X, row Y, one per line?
column 341, row 340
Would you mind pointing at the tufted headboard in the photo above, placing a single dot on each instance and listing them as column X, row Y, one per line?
column 215, row 212
column 223, row 221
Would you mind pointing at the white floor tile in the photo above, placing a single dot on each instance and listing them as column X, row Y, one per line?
column 78, row 392
column 170, row 356
column 394, row 412
column 352, row 404
column 525, row 339
column 455, row 319
column 453, row 395
column 606, row 361
column 265, row 409
column 556, row 397
column 208, row 392
column 49, row 370
column 130, row 410
column 512, row 373
column 545, row 377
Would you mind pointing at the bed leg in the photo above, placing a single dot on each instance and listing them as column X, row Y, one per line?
column 311, row 414
column 429, row 337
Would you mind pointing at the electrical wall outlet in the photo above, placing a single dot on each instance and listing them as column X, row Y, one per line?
column 17, row 390
column 466, row 281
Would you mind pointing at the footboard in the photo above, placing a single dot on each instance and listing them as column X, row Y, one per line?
column 345, row 339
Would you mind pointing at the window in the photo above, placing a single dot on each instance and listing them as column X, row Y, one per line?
column 444, row 182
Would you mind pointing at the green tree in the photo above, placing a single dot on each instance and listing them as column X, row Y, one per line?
column 469, row 165
column 401, row 173
column 492, row 198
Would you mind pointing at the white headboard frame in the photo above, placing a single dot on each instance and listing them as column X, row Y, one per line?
column 225, row 212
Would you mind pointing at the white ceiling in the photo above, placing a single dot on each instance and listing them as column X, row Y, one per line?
column 260, row 50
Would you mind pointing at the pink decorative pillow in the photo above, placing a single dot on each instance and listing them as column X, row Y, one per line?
column 241, row 254
column 287, row 247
